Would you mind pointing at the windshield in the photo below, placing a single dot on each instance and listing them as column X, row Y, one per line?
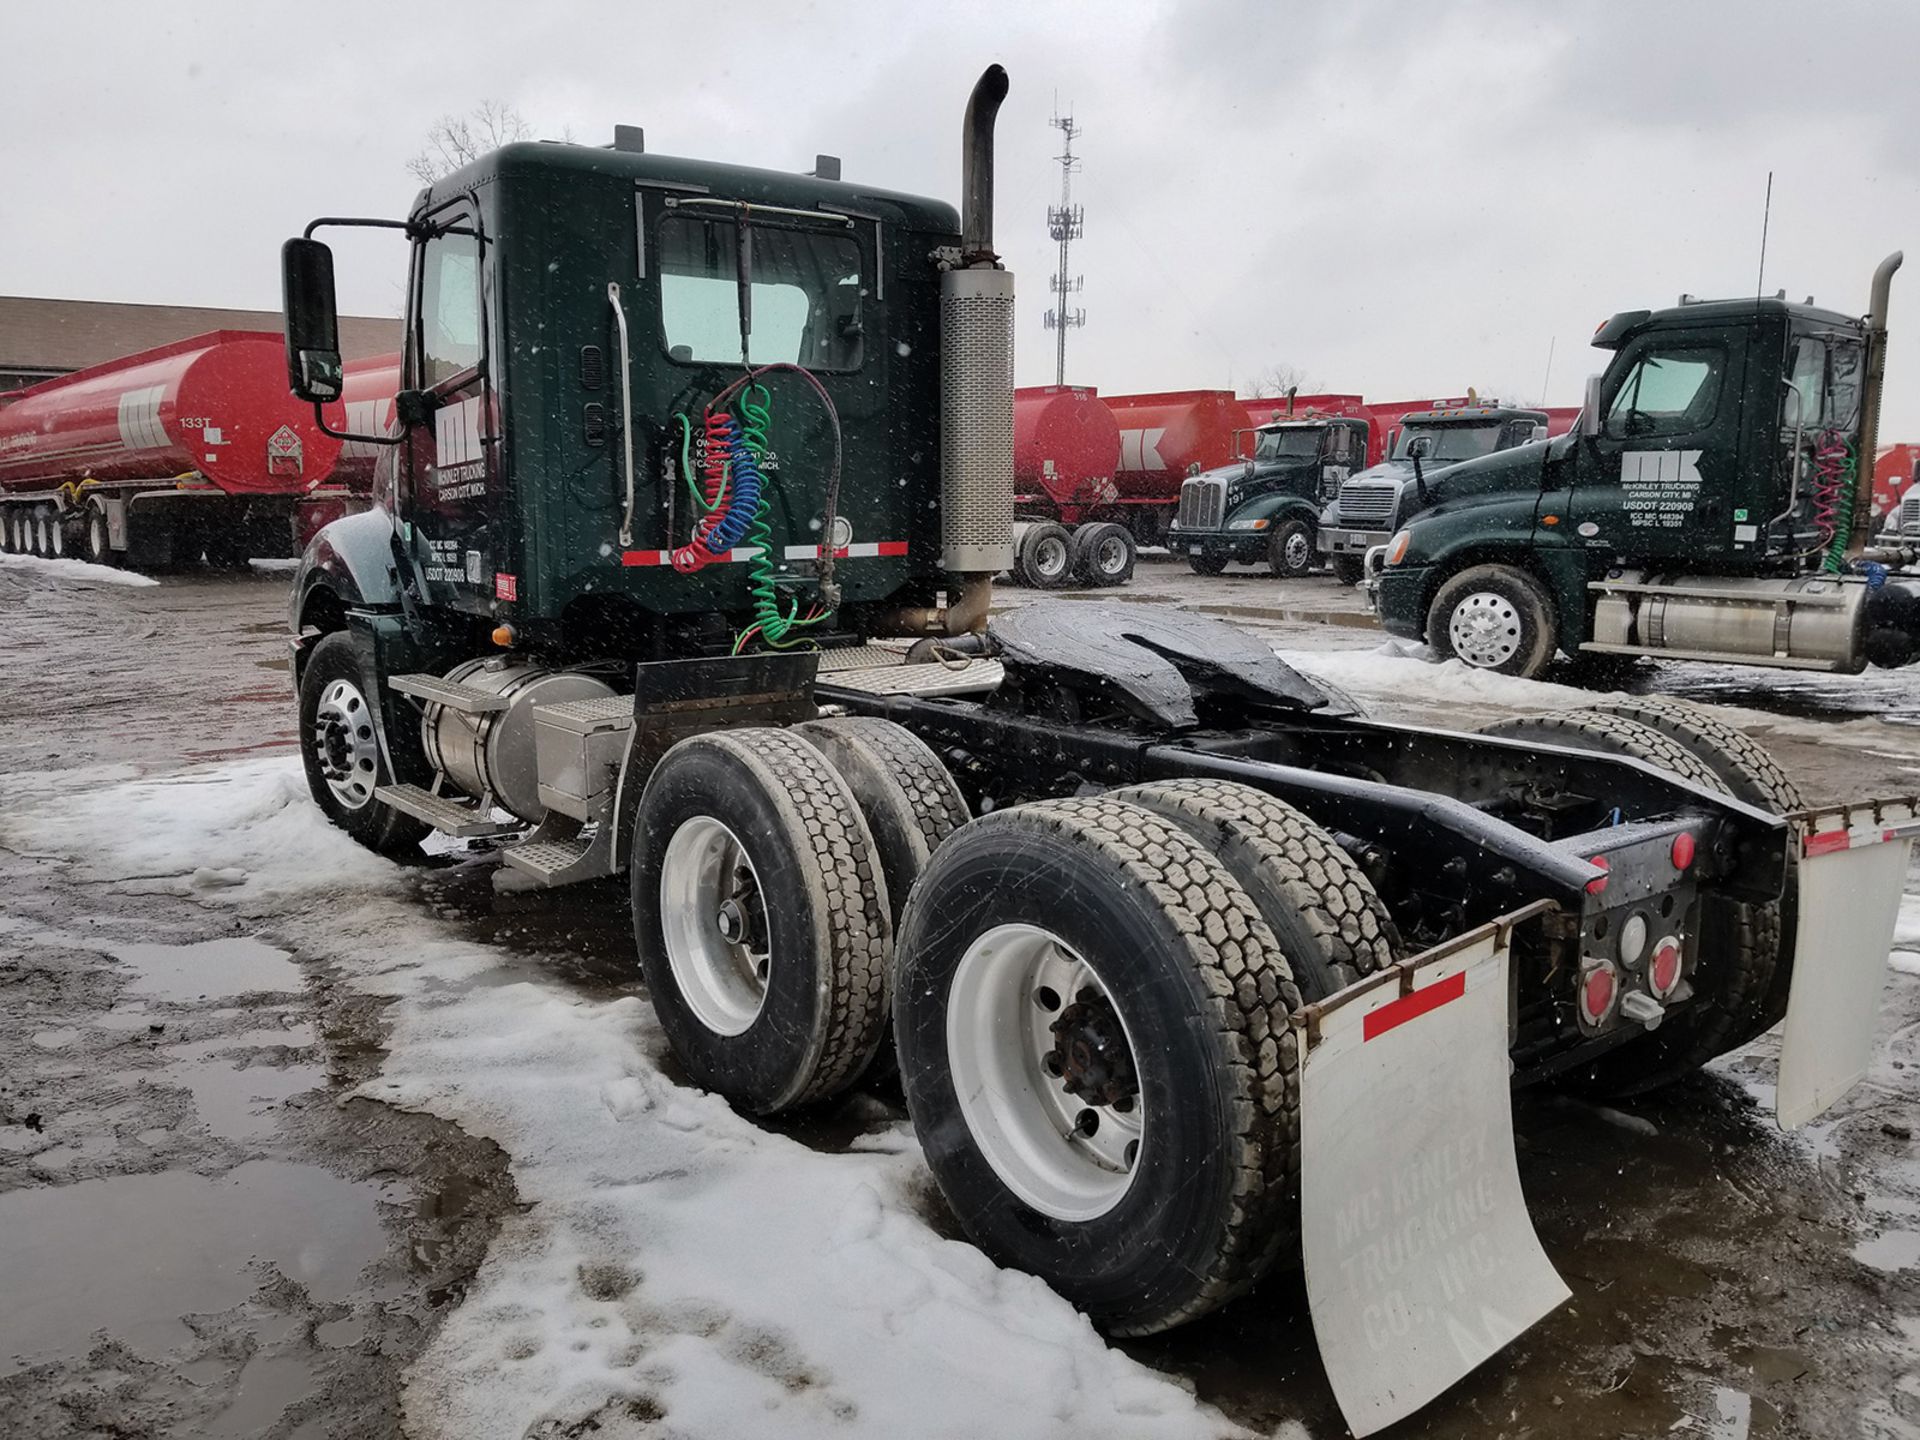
column 806, row 294
column 1297, row 443
column 1450, row 442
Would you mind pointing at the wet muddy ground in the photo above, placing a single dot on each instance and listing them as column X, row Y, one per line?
column 200, row 1236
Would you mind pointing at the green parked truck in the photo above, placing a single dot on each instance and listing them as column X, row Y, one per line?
column 1710, row 504
column 1263, row 509
column 679, row 568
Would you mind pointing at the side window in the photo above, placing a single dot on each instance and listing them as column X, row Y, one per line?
column 1807, row 393
column 449, row 308
column 806, row 294
column 1670, row 390
column 1337, row 440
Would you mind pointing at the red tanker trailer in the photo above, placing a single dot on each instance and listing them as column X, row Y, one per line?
column 160, row 456
column 1163, row 439
column 365, row 407
column 1066, row 447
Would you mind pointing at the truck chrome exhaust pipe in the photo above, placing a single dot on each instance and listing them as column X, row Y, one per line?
column 976, row 382
column 1870, row 405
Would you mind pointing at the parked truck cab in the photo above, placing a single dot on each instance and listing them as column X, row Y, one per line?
column 1709, row 505
column 1371, row 505
column 1266, row 506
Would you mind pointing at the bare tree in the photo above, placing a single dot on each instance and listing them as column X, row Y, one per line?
column 454, row 140
column 1279, row 378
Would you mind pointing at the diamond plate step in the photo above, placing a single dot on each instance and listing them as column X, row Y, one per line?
column 609, row 712
column 450, row 693
column 447, row 815
column 549, row 861
column 932, row 678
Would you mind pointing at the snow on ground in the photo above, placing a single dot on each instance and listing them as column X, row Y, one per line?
column 675, row 1257
column 78, row 571
column 1400, row 669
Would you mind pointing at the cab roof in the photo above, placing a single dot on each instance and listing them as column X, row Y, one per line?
column 1472, row 412
column 557, row 162
column 1615, row 332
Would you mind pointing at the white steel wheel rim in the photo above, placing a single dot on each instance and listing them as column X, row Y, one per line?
column 1024, row 1122
column 1109, row 556
column 1296, row 551
column 1485, row 629
column 97, row 538
column 56, row 537
column 713, row 923
column 345, row 745
column 1050, row 556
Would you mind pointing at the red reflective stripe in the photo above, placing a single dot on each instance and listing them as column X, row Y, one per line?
column 892, row 547
column 1412, row 1007
column 643, row 557
column 1826, row 842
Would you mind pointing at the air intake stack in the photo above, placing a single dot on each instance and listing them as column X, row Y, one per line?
column 976, row 378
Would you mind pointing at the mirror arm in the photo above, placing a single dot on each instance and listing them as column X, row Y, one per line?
column 320, row 419
column 313, row 225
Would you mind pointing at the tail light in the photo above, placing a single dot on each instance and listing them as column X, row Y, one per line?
column 1599, row 991
column 1663, row 971
column 1683, row 848
column 1598, row 884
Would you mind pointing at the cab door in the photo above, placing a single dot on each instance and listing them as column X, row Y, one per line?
column 1342, row 453
column 452, row 459
column 1659, row 480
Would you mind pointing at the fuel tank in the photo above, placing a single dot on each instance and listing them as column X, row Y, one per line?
column 214, row 406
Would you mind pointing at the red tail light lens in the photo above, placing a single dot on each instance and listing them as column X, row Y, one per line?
column 1683, row 847
column 1663, row 973
column 1599, row 988
column 1599, row 882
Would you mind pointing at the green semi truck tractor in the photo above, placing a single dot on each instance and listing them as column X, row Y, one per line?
column 1264, row 507
column 1711, row 503
column 679, row 567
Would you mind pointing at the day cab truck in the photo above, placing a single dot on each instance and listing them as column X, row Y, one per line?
column 1371, row 504
column 1265, row 507
column 680, row 568
column 1708, row 505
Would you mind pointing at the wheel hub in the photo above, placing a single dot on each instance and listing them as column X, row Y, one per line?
column 1092, row 1059
column 1297, row 552
column 344, row 744
column 1485, row 629
column 714, row 925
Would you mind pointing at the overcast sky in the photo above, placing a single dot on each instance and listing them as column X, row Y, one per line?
column 1397, row 200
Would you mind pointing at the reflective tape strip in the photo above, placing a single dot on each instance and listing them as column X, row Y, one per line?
column 1412, row 1007
column 1828, row 842
column 866, row 550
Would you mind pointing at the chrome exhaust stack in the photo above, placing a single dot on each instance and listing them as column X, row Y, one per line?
column 1862, row 530
column 976, row 380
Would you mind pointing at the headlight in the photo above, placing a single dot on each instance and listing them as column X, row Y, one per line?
column 1397, row 547
column 1249, row 524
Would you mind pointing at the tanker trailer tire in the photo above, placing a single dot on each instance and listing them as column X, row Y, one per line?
column 340, row 749
column 1332, row 927
column 1290, row 552
column 761, row 915
column 7, row 544
column 1045, row 558
column 1752, row 775
column 1103, row 554
column 1093, row 1029
column 1740, row 940
column 1493, row 617
column 1347, row 569
column 99, row 540
column 56, row 534
column 1201, row 563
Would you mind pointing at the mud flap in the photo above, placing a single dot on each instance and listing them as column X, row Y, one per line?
column 1853, row 871
column 1421, row 1260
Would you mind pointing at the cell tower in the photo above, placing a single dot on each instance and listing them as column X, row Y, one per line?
column 1065, row 222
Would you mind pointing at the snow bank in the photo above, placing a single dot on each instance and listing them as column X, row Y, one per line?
column 1401, row 669
column 676, row 1258
column 74, row 571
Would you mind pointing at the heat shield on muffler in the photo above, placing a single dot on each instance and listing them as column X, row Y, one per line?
column 1421, row 1259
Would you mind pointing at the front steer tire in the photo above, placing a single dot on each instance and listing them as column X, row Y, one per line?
column 813, row 901
column 1347, row 569
column 334, row 676
column 1505, row 621
column 1204, row 993
column 1290, row 550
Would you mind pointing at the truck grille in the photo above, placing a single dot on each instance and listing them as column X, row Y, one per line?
column 1203, row 504
column 1908, row 523
column 1368, row 504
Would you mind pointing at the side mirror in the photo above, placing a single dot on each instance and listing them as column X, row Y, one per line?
column 1538, row 434
column 312, row 319
column 414, row 407
column 1420, row 446
column 1590, row 409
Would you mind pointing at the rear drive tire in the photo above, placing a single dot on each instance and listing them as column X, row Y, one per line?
column 1290, row 552
column 1103, row 554
column 1167, row 1182
column 1493, row 617
column 1046, row 556
column 1739, row 940
column 1203, row 564
column 1347, row 569
column 341, row 750
column 1332, row 926
column 761, row 916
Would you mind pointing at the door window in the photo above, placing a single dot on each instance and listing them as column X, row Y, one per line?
column 449, row 308
column 1668, row 391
